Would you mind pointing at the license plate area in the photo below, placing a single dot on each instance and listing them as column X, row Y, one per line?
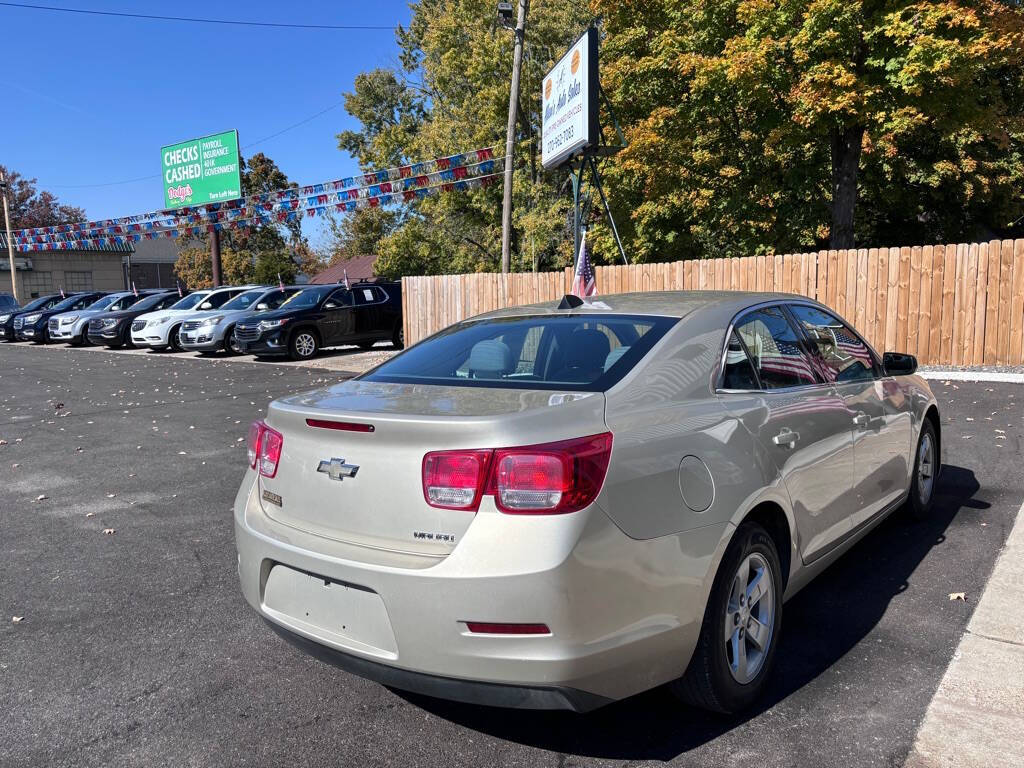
column 341, row 614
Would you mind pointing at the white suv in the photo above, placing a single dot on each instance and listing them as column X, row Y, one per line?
column 158, row 330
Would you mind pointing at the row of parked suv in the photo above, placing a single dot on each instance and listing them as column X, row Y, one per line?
column 297, row 321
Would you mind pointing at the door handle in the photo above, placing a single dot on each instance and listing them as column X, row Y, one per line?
column 862, row 420
column 786, row 437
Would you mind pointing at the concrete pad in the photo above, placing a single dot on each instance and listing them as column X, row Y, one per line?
column 976, row 717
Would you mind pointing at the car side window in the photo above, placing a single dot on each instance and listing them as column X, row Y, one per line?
column 340, row 298
column 739, row 371
column 840, row 354
column 216, row 300
column 774, row 349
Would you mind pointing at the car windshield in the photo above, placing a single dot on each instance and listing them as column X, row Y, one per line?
column 105, row 301
column 244, row 300
column 309, row 297
column 37, row 303
column 575, row 353
column 189, row 301
column 149, row 301
column 67, row 303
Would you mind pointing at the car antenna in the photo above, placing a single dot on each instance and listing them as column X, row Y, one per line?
column 569, row 301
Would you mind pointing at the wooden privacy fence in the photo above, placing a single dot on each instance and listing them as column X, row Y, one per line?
column 948, row 304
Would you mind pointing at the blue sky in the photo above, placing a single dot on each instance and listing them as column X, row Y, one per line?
column 94, row 98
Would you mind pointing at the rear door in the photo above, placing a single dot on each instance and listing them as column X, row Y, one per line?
column 881, row 429
column 369, row 299
column 805, row 425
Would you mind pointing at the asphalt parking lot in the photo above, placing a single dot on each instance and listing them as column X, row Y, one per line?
column 137, row 649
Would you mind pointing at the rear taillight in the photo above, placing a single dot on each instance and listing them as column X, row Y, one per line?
column 252, row 443
column 264, row 448
column 552, row 478
column 455, row 479
column 502, row 628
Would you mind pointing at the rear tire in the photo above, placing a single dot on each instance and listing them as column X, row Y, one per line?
column 728, row 672
column 398, row 337
column 303, row 344
column 922, row 481
column 127, row 342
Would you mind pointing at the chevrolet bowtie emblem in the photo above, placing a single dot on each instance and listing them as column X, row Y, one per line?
column 337, row 469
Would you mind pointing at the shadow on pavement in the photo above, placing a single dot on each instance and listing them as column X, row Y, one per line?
column 850, row 597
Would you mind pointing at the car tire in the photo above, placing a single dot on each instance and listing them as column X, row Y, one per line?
column 727, row 674
column 231, row 345
column 398, row 337
column 365, row 345
column 127, row 342
column 81, row 340
column 172, row 340
column 303, row 344
column 925, row 475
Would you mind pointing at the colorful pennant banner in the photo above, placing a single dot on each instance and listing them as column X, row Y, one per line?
column 373, row 184
column 257, row 217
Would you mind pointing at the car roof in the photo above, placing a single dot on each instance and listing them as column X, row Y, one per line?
column 662, row 303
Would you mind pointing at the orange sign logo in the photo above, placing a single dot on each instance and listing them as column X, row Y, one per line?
column 575, row 61
column 547, row 89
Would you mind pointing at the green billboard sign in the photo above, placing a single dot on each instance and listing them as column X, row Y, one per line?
column 201, row 171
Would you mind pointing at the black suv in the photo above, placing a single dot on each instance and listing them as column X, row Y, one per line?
column 7, row 317
column 34, row 326
column 326, row 316
column 114, row 329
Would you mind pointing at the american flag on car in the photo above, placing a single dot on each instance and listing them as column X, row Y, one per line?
column 584, row 283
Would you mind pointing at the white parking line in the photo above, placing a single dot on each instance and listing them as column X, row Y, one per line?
column 951, row 374
column 976, row 717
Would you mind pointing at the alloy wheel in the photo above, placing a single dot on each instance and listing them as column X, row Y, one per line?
column 305, row 344
column 925, row 468
column 749, row 618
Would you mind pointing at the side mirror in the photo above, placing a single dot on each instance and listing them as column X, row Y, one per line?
column 262, row 306
column 331, row 304
column 898, row 364
column 206, row 305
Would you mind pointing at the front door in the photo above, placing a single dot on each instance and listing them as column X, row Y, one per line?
column 880, row 426
column 804, row 426
column 338, row 323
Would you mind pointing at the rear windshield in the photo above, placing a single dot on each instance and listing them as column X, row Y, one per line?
column 568, row 352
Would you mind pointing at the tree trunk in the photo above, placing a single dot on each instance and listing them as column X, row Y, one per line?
column 846, row 146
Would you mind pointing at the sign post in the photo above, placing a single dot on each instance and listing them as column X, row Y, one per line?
column 203, row 171
column 571, row 127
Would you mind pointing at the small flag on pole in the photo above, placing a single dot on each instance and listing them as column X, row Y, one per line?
column 62, row 292
column 180, row 294
column 346, row 279
column 280, row 282
column 584, row 283
column 134, row 289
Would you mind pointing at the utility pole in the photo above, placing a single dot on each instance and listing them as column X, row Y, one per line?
column 10, row 243
column 215, row 257
column 513, row 105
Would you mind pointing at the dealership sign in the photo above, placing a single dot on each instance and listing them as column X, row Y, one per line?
column 569, row 103
column 201, row 171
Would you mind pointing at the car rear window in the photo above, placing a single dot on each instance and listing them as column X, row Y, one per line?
column 564, row 352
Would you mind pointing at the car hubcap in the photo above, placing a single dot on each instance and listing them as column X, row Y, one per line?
column 925, row 469
column 235, row 346
column 749, row 618
column 305, row 345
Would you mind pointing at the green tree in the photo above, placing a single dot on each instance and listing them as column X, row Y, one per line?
column 757, row 125
column 450, row 94
column 358, row 233
column 30, row 207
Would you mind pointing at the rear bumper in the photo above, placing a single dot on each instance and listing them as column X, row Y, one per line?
column 453, row 689
column 619, row 625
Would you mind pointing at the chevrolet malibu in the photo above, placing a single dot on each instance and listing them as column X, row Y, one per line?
column 561, row 506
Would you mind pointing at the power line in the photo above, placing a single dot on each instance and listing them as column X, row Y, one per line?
column 157, row 175
column 193, row 20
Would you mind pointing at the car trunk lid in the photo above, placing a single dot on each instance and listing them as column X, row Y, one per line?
column 374, row 496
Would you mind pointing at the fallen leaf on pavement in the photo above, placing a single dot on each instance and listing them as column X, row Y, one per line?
column 89, row 514
column 108, row 531
column 961, row 596
column 42, row 497
column 17, row 619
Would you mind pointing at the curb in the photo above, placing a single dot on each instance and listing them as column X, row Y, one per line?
column 976, row 717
